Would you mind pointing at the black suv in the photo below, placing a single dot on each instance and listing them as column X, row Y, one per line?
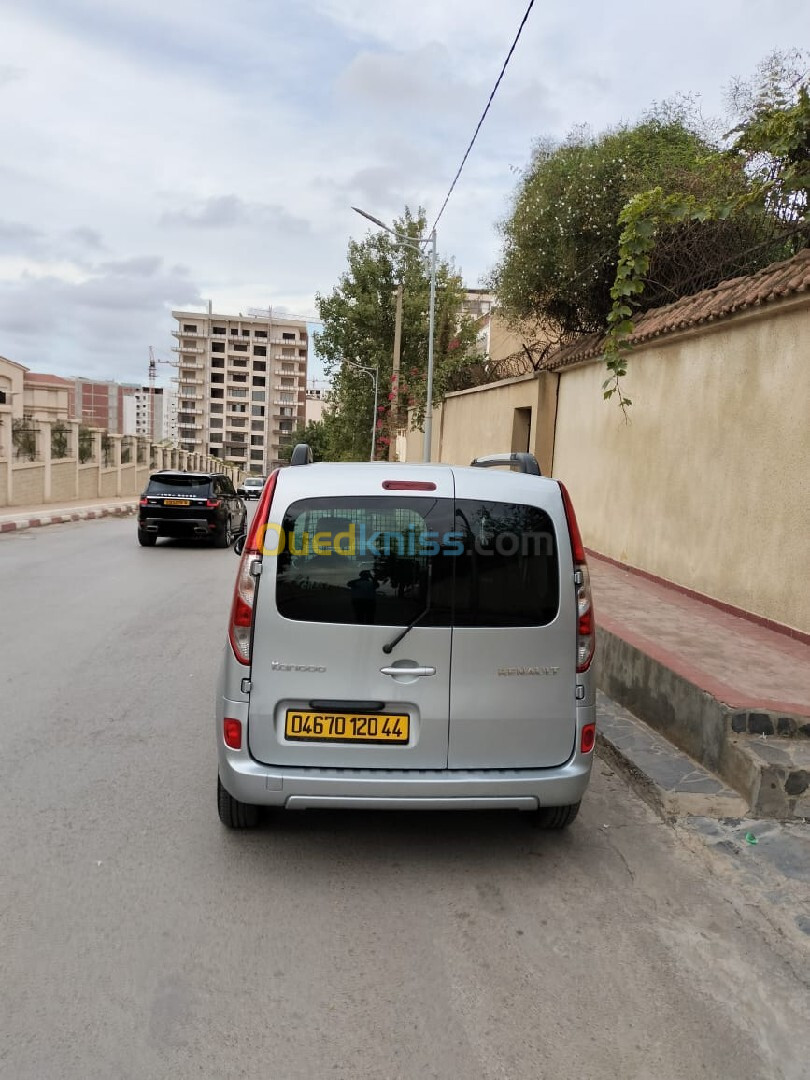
column 185, row 504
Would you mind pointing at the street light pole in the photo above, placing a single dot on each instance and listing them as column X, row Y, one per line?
column 426, row 444
column 410, row 241
column 374, row 375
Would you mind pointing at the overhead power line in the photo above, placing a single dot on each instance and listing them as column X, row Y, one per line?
column 484, row 113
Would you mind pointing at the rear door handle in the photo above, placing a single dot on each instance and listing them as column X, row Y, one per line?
column 407, row 670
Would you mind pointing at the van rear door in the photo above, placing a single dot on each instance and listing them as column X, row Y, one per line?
column 513, row 677
column 353, row 567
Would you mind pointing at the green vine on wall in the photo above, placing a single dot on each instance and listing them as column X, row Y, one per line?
column 776, row 143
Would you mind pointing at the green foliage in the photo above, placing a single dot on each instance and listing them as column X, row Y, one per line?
column 772, row 146
column 358, row 327
column 316, row 435
column 85, row 444
column 561, row 240
column 773, row 134
column 59, row 440
column 24, row 438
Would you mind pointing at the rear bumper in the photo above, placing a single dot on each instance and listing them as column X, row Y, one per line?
column 185, row 526
column 386, row 789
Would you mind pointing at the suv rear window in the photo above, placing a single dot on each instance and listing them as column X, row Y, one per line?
column 179, row 485
column 387, row 561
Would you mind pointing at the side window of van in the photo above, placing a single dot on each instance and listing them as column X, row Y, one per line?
column 507, row 572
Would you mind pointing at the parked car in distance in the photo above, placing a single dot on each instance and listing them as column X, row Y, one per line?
column 251, row 487
column 197, row 505
column 408, row 637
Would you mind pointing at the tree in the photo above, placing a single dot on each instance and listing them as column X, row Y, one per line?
column 315, row 435
column 772, row 149
column 24, row 438
column 59, row 440
column 561, row 240
column 85, row 444
column 358, row 327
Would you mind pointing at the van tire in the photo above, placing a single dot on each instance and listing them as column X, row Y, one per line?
column 556, row 817
column 235, row 814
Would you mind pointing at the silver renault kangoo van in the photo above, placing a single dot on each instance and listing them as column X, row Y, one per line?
column 408, row 637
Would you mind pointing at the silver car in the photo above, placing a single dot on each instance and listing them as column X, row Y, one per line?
column 408, row 636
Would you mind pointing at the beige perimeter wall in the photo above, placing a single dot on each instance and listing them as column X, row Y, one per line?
column 63, row 480
column 485, row 421
column 88, row 481
column 707, row 485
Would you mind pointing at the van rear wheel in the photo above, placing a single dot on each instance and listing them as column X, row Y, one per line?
column 555, row 817
column 235, row 814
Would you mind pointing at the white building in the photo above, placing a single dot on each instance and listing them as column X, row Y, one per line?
column 241, row 385
column 169, row 432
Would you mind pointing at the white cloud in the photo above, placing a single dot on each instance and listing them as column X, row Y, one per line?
column 160, row 154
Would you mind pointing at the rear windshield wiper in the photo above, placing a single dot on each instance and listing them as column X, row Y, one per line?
column 388, row 648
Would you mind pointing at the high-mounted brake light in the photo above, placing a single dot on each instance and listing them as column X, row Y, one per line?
column 240, row 628
column 586, row 627
column 408, row 485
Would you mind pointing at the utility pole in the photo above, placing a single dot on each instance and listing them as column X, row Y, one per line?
column 393, row 412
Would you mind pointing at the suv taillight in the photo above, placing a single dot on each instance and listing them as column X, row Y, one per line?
column 586, row 627
column 240, row 629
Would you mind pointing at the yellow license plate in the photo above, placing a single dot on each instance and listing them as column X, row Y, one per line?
column 177, row 502
column 303, row 726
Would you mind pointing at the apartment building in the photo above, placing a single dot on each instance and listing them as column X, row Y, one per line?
column 149, row 406
column 241, row 385
column 101, row 403
column 170, row 400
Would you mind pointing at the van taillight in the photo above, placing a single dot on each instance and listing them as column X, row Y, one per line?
column 586, row 626
column 240, row 628
column 587, row 740
column 232, row 733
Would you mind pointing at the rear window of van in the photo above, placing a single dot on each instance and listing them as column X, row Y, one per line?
column 386, row 561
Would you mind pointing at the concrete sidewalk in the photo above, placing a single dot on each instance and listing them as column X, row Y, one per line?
column 737, row 661
column 709, row 685
column 18, row 518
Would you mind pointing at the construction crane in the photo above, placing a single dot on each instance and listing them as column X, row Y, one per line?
column 153, row 363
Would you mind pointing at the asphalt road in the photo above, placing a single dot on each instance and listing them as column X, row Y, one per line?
column 142, row 940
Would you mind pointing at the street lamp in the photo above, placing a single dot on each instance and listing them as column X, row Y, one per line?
column 410, row 241
column 373, row 374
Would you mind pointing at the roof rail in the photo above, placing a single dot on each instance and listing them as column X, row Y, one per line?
column 525, row 463
column 301, row 455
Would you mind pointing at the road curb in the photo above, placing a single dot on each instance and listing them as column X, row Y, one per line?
column 669, row 781
column 34, row 521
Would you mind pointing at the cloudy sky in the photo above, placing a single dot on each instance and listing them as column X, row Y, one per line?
column 157, row 153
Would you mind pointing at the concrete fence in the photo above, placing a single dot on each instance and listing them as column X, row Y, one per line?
column 45, row 462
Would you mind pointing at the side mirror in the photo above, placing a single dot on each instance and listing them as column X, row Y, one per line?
column 239, row 544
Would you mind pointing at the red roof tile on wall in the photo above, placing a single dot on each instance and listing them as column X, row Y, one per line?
column 775, row 282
